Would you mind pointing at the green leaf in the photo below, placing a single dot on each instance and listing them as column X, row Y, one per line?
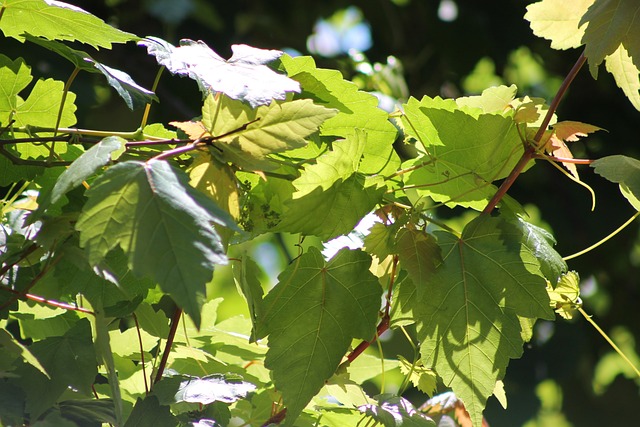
column 256, row 133
column 42, row 105
column 559, row 21
column 151, row 321
column 312, row 315
column 540, row 242
column 334, row 186
column 422, row 378
column 56, row 20
column 357, row 110
column 11, row 346
column 81, row 169
column 247, row 277
column 419, row 254
column 496, row 99
column 162, row 224
column 86, row 412
column 14, row 77
column 73, row 349
column 622, row 170
column 610, row 25
column 148, row 412
column 626, row 74
column 469, row 309
column 244, row 76
column 134, row 95
column 465, row 151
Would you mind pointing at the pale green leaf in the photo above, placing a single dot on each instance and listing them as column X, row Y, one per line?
column 162, row 224
column 244, row 76
column 465, row 151
column 565, row 295
column 152, row 321
column 268, row 129
column 626, row 74
column 42, row 105
column 559, row 21
column 357, row 110
column 14, row 77
column 611, row 24
column 496, row 99
column 312, row 315
column 56, row 20
column 381, row 240
column 622, row 170
column 422, row 378
column 469, row 310
column 334, row 186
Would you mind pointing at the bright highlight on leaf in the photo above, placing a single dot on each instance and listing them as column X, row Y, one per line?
column 311, row 316
column 162, row 224
column 244, row 76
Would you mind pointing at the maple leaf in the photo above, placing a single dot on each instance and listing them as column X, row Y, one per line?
column 244, row 76
column 568, row 131
column 194, row 130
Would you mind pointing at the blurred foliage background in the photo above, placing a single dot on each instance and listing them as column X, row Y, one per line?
column 568, row 375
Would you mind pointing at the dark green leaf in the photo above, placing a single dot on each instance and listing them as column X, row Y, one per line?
column 419, row 254
column 247, row 276
column 624, row 171
column 162, row 224
column 312, row 315
column 148, row 412
column 84, row 412
column 134, row 95
column 540, row 242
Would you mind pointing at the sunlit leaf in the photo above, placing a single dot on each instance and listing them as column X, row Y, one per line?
column 311, row 316
column 357, row 110
column 422, row 378
column 565, row 295
column 161, row 223
column 247, row 277
column 205, row 390
column 626, row 74
column 559, row 21
column 244, row 76
column 334, row 186
column 56, row 20
column 419, row 254
column 466, row 150
column 469, row 309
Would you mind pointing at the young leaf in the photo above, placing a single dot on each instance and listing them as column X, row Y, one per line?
column 311, row 316
column 161, row 223
column 567, row 131
column 244, row 76
column 335, row 186
column 56, row 20
column 559, row 21
column 134, row 95
column 357, row 110
column 467, row 150
column 469, row 309
column 565, row 295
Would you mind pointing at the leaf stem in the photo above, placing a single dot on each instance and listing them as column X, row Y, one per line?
column 175, row 320
column 147, row 108
column 600, row 242
column 144, row 373
column 530, row 151
column 609, row 340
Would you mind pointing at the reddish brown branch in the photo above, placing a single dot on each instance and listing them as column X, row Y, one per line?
column 35, row 280
column 175, row 320
column 530, row 150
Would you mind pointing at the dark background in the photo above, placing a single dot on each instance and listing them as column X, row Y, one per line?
column 436, row 57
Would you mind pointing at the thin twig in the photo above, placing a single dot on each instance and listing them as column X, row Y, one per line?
column 144, row 372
